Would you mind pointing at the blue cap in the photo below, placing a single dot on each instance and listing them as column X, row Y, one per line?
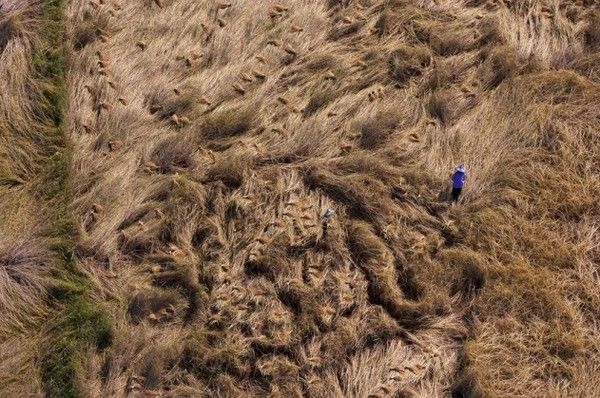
column 328, row 213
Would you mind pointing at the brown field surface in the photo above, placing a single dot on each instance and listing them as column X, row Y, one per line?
column 165, row 166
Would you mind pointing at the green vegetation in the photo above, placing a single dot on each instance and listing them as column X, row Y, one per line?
column 75, row 324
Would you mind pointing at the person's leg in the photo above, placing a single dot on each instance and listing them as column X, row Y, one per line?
column 455, row 194
column 324, row 226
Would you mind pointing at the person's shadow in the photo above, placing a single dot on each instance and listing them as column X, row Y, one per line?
column 445, row 195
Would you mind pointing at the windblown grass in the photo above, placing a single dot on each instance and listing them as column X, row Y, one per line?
column 241, row 123
column 209, row 140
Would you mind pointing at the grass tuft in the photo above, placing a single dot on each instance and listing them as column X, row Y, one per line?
column 228, row 123
column 376, row 132
column 469, row 268
column 406, row 62
column 591, row 32
column 318, row 101
column 74, row 329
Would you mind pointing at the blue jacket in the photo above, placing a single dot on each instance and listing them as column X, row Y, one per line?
column 458, row 179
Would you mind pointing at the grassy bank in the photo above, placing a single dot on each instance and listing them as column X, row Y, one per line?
column 77, row 325
column 34, row 178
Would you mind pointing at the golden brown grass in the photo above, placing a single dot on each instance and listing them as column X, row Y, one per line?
column 245, row 121
column 209, row 137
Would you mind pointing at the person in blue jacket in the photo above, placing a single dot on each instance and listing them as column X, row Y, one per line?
column 326, row 218
column 458, row 181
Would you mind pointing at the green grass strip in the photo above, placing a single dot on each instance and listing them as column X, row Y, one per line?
column 77, row 324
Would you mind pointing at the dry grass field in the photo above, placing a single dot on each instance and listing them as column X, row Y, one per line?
column 165, row 166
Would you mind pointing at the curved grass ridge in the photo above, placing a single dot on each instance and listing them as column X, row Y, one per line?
column 209, row 141
column 36, row 170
